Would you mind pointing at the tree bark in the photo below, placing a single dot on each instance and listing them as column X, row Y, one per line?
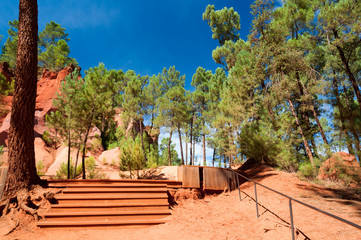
column 85, row 141
column 214, row 156
column 307, row 147
column 169, row 142
column 180, row 142
column 348, row 71
column 342, row 118
column 186, row 158
column 69, row 146
column 194, row 150
column 76, row 161
column 204, row 146
column 141, row 137
column 22, row 170
column 191, row 144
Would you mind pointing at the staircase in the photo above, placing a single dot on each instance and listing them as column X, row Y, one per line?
column 108, row 203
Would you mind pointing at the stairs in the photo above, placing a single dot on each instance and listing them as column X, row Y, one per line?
column 108, row 203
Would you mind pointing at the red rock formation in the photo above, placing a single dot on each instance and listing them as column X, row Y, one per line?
column 340, row 163
column 47, row 87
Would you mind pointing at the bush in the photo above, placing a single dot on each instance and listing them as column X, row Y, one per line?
column 62, row 172
column 131, row 155
column 306, row 170
column 39, row 168
column 1, row 153
column 48, row 139
column 91, row 171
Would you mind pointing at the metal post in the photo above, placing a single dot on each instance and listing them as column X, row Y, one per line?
column 291, row 215
column 239, row 189
column 255, row 193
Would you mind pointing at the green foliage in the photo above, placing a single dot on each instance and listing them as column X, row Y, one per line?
column 39, row 168
column 9, row 50
column 131, row 155
column 47, row 138
column 1, row 153
column 92, row 172
column 62, row 172
column 306, row 170
column 264, row 144
column 53, row 47
column 53, row 51
column 164, row 156
column 224, row 23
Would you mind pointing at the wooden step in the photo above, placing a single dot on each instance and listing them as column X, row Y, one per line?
column 106, row 215
column 62, row 183
column 108, row 185
column 109, row 199
column 100, row 224
column 161, row 205
column 113, row 190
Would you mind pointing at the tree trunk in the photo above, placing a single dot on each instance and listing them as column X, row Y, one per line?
column 342, row 118
column 307, row 147
column 194, row 150
column 186, row 159
column 180, row 142
column 76, row 160
column 169, row 142
column 191, row 144
column 141, row 138
column 348, row 71
column 352, row 123
column 224, row 161
column 22, row 170
column 85, row 141
column 315, row 115
column 214, row 156
column 69, row 145
column 204, row 147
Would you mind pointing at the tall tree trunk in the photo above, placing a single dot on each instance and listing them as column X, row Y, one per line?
column 352, row 123
column 224, row 161
column 69, row 146
column 204, row 145
column 214, row 156
column 180, row 142
column 312, row 106
column 169, row 142
column 307, row 147
column 342, row 117
column 22, row 170
column 76, row 160
column 186, row 159
column 141, row 137
column 85, row 141
column 191, row 144
column 348, row 71
column 194, row 150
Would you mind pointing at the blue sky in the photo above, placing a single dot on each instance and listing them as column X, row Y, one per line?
column 141, row 35
column 144, row 36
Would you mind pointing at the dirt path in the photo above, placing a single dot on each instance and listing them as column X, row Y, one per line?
column 225, row 217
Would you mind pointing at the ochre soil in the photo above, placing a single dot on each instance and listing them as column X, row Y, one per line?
column 226, row 217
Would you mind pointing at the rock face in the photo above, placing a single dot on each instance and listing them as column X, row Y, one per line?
column 47, row 88
column 110, row 157
column 340, row 165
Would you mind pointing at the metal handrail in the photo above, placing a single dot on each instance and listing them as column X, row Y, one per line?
column 290, row 203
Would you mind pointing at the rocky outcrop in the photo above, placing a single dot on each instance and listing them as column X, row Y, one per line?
column 341, row 166
column 47, row 88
